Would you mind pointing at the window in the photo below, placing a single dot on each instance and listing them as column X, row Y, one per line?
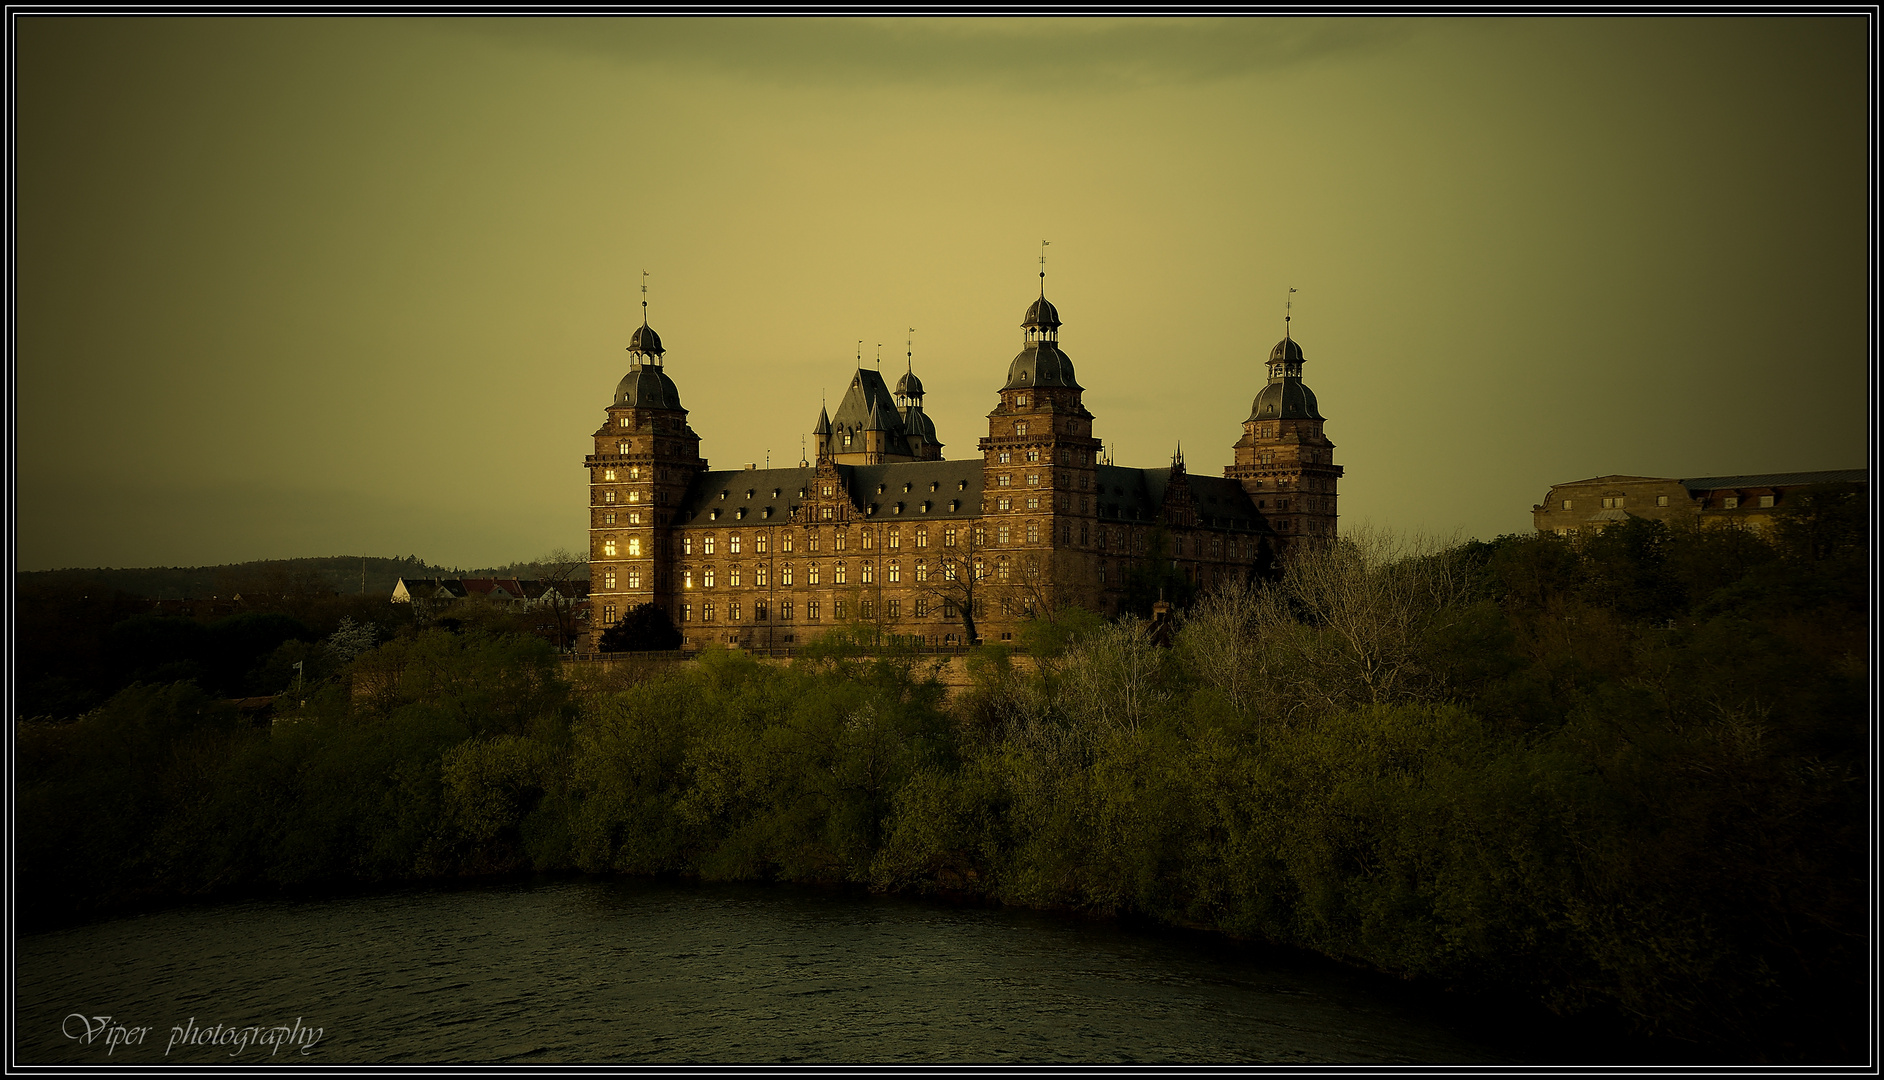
column 1033, row 534
column 608, row 518
column 1004, row 503
column 1766, row 500
column 608, row 614
column 608, row 496
column 1566, row 503
column 869, row 539
column 732, row 611
column 1066, row 532
column 732, row 576
column 706, row 611
column 786, row 544
column 706, row 578
column 980, row 570
column 1612, row 502
column 981, row 536
column 896, row 539
column 837, row 609
column 1731, row 502
column 608, row 578
column 608, row 474
column 608, row 546
column 758, row 543
column 634, row 471
column 686, row 545
column 634, row 517
column 758, row 611
column 1020, row 427
column 1033, row 479
column 785, row 574
column 633, row 496
column 922, row 607
column 839, row 576
column 842, row 539
column 948, row 536
column 1033, row 455
column 948, row 608
column 1102, row 537
column 1083, row 534
column 811, row 610
column 827, row 491
column 1002, row 480
column 922, row 538
column 1102, row 571
column 634, row 578
column 732, row 544
column 922, row 572
column 1033, row 502
column 686, row 579
column 824, row 513
column 869, row 573
column 896, row 572
column 706, row 544
column 1020, row 399
column 893, row 608
column 1000, row 534
column 785, row 610
column 811, row 574
column 813, row 540
column 634, row 546
column 863, row 609
column 686, row 613
column 759, row 575
column 948, row 571
column 1001, row 457
column 623, row 422
column 1661, row 500
column 1000, row 569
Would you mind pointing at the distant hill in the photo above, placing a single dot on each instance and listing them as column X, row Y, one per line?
column 330, row 574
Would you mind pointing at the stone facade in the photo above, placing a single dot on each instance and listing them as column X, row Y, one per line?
column 1746, row 501
column 880, row 530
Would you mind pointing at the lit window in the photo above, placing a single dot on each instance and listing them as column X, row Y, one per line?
column 1566, row 502
column 1000, row 534
column 896, row 539
column 1020, row 427
column 1033, row 502
column 839, row 576
column 1020, row 399
column 948, row 571
column 981, row 536
column 869, row 573
column 608, row 614
column 868, row 540
column 824, row 513
column 1002, row 457
column 811, row 610
column 1004, row 503
column 948, row 536
column 759, row 575
column 608, row 578
column 732, row 611
column 827, row 491
column 732, row 576
column 634, row 496
column 1661, row 500
column 814, row 540
column 608, row 496
column 811, row 574
column 922, row 572
column 837, row 609
column 1033, row 455
column 1731, row 502
column 634, row 578
column 896, row 573
column 787, row 545
column 686, row 545
column 758, row 544
column 608, row 474
column 623, row 421
column 785, row 610
column 634, row 546
column 622, row 447
column 608, row 518
column 732, row 543
column 634, row 517
column 1001, row 480
column 842, row 538
column 922, row 538
column 922, row 607
column 686, row 613
column 706, row 611
column 1766, row 500
column 1033, row 479
column 706, row 544
column 1033, row 535
column 893, row 608
column 608, row 546
column 785, row 574
column 1000, row 570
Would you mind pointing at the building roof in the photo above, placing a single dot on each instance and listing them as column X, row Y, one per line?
column 909, row 385
column 647, row 387
column 1285, row 399
column 951, row 490
column 1138, row 495
column 1041, row 315
column 1041, row 363
column 1287, row 349
column 1792, row 479
column 645, row 341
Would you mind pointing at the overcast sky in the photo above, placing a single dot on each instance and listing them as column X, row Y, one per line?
column 291, row 287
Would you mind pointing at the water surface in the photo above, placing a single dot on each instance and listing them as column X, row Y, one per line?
column 579, row 971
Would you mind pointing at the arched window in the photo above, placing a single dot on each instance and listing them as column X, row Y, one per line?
column 608, row 578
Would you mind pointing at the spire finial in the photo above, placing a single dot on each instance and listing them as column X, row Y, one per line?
column 909, row 356
column 1043, row 269
column 879, row 356
column 644, row 298
column 860, row 354
column 1287, row 303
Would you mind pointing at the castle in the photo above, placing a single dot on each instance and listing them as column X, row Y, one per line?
column 882, row 530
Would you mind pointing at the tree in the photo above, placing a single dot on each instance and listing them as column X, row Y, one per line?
column 961, row 578
column 646, row 628
column 557, row 570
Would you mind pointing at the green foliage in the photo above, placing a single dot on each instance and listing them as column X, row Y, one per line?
column 1625, row 777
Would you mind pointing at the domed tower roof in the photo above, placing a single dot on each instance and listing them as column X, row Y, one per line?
column 1041, row 315
column 1041, row 363
column 909, row 385
column 1285, row 399
column 647, row 387
column 1286, row 349
column 645, row 341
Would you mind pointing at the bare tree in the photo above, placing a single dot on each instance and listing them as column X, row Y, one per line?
column 961, row 578
column 559, row 570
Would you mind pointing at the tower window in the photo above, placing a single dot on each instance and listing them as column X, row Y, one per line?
column 608, row 518
column 634, row 546
column 622, row 447
column 624, row 422
column 608, row 578
column 608, row 474
column 1020, row 427
column 608, row 546
column 634, row 578
column 1002, row 457
column 608, row 496
column 1020, row 399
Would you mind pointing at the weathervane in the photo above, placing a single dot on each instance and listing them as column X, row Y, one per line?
column 644, row 298
column 1043, row 268
column 1287, row 302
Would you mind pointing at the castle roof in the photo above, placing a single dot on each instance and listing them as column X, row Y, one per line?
column 647, row 387
column 916, row 491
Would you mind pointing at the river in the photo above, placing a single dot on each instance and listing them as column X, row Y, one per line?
column 639, row 971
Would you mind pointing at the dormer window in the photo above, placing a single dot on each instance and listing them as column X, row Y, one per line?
column 622, row 447
column 624, row 422
column 1021, row 401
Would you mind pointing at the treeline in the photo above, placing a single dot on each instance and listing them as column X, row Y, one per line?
column 1621, row 777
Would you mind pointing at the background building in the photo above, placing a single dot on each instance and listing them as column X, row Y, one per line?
column 881, row 530
column 1749, row 501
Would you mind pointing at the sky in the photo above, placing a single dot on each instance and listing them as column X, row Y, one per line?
column 311, row 287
